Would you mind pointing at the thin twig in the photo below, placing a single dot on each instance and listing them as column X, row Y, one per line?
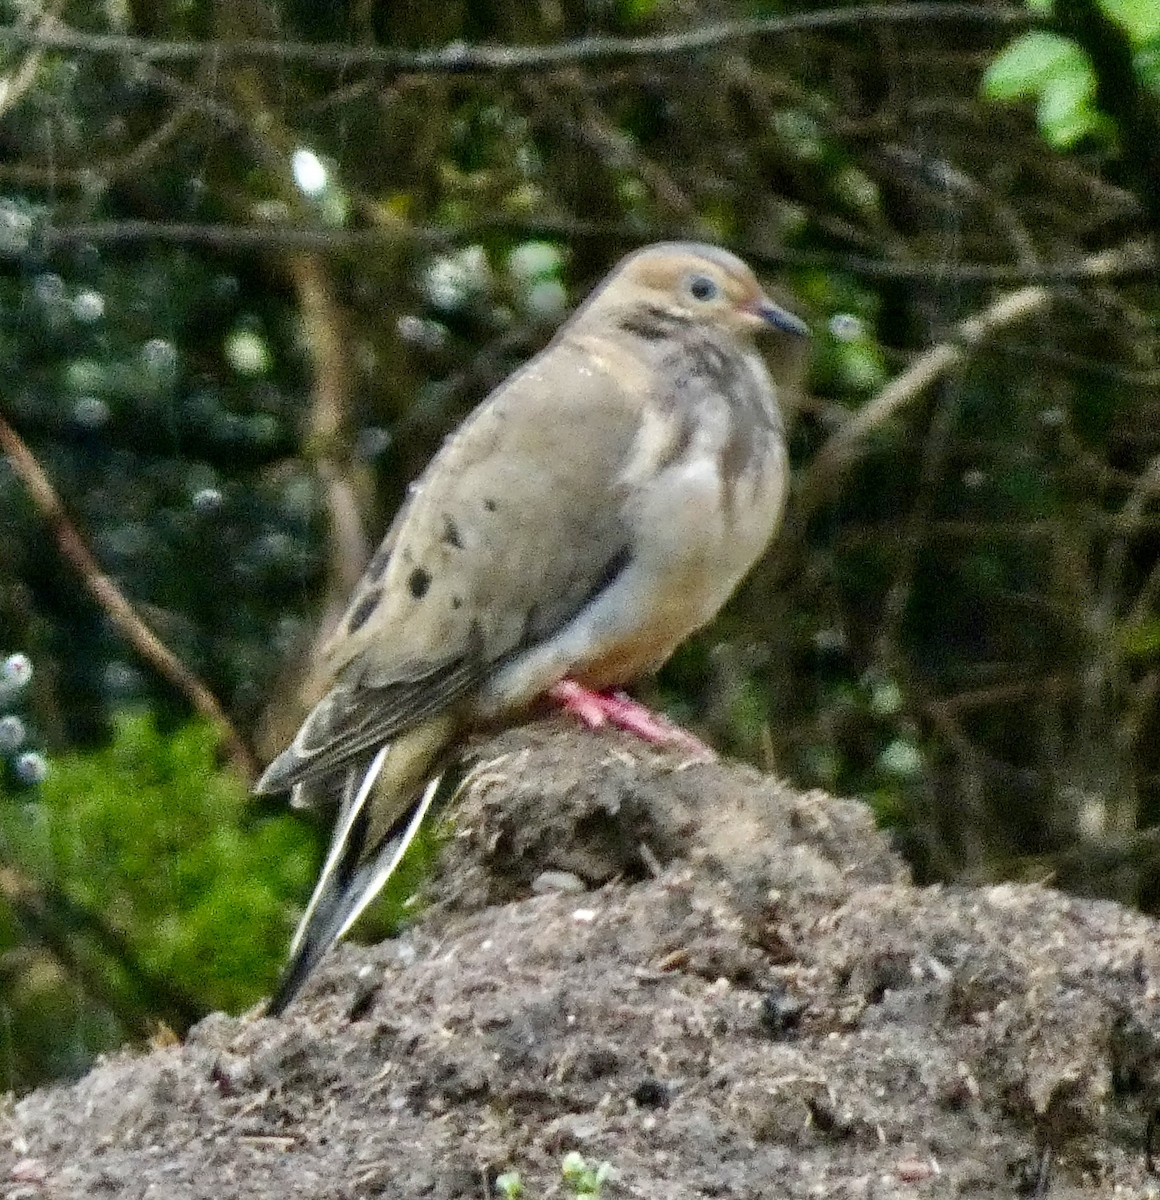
column 14, row 86
column 848, row 442
column 458, row 57
column 108, row 171
column 914, row 531
column 619, row 151
column 112, row 600
column 1015, row 692
column 1131, row 260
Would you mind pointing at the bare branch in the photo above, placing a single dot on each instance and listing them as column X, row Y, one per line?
column 111, row 169
column 1132, row 260
column 847, row 443
column 112, row 600
column 458, row 57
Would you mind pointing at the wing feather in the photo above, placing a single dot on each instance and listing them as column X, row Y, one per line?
column 352, row 719
column 490, row 555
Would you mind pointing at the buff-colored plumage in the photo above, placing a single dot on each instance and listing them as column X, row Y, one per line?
column 595, row 510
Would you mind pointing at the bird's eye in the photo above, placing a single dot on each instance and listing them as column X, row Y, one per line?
column 701, row 287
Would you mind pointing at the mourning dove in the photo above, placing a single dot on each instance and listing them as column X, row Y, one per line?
column 596, row 509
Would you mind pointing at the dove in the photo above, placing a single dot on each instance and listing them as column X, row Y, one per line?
column 595, row 510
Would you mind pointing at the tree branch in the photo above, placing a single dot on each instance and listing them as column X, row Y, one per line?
column 15, row 85
column 1132, row 260
column 138, row 159
column 458, row 57
column 112, row 600
column 847, row 443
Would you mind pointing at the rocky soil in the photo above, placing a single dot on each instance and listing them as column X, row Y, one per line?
column 718, row 985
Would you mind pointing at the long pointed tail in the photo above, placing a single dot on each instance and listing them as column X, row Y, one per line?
column 349, row 881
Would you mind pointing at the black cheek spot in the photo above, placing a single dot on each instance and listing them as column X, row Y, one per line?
column 362, row 610
column 451, row 534
column 650, row 323
column 490, row 505
column 419, row 582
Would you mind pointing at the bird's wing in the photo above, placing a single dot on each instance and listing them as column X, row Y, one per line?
column 518, row 522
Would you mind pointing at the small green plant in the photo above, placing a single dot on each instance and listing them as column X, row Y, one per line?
column 582, row 1181
column 585, row 1181
column 155, row 837
column 510, row 1185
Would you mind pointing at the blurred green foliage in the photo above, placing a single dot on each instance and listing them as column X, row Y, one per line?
column 1059, row 76
column 146, row 847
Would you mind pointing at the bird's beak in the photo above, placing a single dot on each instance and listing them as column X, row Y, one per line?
column 773, row 314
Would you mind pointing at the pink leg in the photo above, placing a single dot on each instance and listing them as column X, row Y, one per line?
column 620, row 710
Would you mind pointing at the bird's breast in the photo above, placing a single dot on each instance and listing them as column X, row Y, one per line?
column 693, row 546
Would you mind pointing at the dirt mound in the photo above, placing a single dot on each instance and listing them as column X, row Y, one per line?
column 718, row 985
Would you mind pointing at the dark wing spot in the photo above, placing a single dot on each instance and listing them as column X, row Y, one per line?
column 490, row 505
column 378, row 564
column 615, row 565
column 456, row 602
column 529, row 634
column 541, row 623
column 362, row 610
column 419, row 582
column 451, row 534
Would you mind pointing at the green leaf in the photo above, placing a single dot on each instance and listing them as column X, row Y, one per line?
column 1140, row 19
column 1057, row 72
column 1027, row 64
column 1065, row 108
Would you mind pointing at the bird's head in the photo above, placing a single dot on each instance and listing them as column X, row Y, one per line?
column 673, row 283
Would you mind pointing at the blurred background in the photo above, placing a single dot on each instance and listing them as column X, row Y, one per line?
column 257, row 257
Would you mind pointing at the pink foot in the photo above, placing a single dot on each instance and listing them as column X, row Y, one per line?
column 623, row 712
